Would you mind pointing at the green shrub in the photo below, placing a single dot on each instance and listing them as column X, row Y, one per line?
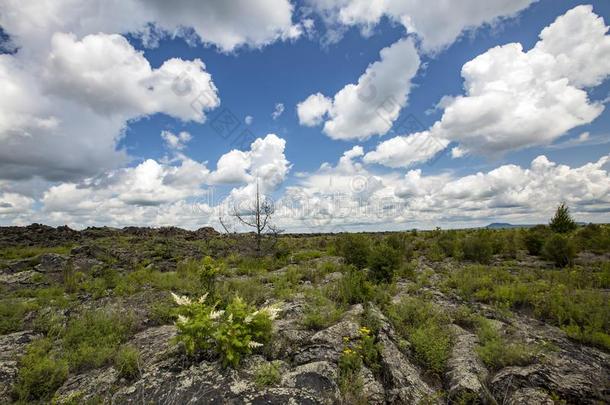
column 562, row 221
column 478, row 248
column 356, row 352
column 560, row 250
column 432, row 344
column 208, row 271
column 449, row 243
column 162, row 312
column 568, row 299
column 305, row 255
column 252, row 290
column 232, row 333
column 510, row 243
column 40, row 373
column 349, row 381
column 534, row 239
column 354, row 248
column 434, row 252
column 254, row 266
column 267, row 374
column 187, row 279
column 407, row 270
column 13, row 312
column 352, row 288
column 127, row 362
column 320, row 312
column 100, row 283
column 396, row 241
column 426, row 327
column 383, row 261
column 497, row 352
column 91, row 340
column 49, row 322
column 594, row 238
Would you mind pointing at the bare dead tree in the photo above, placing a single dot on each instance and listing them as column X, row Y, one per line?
column 259, row 218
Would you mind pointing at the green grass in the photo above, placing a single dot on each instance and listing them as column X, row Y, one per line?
column 13, row 312
column 16, row 307
column 320, row 311
column 127, row 362
column 568, row 298
column 88, row 341
column 41, row 373
column 24, row 252
column 426, row 328
column 92, row 339
column 252, row 290
column 497, row 352
column 267, row 374
column 305, row 255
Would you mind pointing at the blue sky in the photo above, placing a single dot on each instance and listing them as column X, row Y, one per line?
column 251, row 76
column 251, row 82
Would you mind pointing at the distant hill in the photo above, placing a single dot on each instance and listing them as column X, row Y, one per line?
column 504, row 225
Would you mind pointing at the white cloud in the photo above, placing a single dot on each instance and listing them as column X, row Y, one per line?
column 232, row 167
column 249, row 120
column 225, row 25
column 584, row 139
column 148, row 184
column 91, row 70
column 438, row 24
column 67, row 109
column 176, row 141
column 312, row 110
column 14, row 204
column 264, row 163
column 516, row 99
column 511, row 190
column 350, row 196
column 404, row 151
column 278, row 111
column 50, row 137
column 154, row 192
column 371, row 106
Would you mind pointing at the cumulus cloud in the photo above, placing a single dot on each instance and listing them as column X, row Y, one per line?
column 516, row 99
column 14, row 204
column 369, row 107
column 176, row 141
column 148, row 184
column 46, row 136
column 90, row 70
column 312, row 110
column 157, row 193
column 438, row 24
column 349, row 196
column 264, row 164
column 404, row 151
column 512, row 190
column 225, row 25
column 64, row 117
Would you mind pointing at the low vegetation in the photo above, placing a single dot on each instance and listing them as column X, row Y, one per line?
column 231, row 332
column 426, row 327
column 223, row 303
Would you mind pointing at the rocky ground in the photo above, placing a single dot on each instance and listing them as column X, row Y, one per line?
column 308, row 359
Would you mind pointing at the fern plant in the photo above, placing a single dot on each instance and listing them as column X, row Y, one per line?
column 233, row 332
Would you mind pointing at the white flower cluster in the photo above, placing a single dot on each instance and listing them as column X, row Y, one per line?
column 184, row 300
